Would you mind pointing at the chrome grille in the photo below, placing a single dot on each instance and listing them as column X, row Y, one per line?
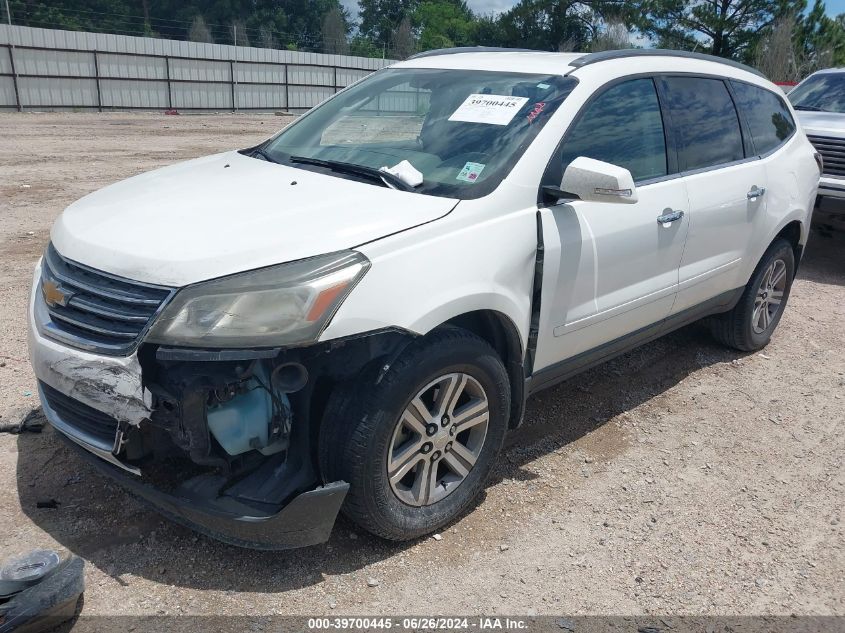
column 94, row 310
column 833, row 153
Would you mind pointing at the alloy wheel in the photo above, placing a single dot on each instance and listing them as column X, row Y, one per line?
column 769, row 298
column 437, row 439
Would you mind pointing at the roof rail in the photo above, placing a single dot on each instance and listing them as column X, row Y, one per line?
column 593, row 58
column 470, row 49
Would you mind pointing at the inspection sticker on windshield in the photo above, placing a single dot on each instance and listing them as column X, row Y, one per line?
column 471, row 172
column 490, row 109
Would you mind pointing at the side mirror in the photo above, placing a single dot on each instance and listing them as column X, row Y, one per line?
column 597, row 181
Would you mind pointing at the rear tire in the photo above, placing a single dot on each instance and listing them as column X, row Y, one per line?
column 373, row 429
column 750, row 325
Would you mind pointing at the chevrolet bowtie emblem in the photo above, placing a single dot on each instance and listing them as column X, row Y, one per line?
column 53, row 295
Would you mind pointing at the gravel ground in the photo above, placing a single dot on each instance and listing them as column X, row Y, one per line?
column 680, row 478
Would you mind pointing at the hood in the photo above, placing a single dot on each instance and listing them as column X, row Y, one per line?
column 822, row 123
column 229, row 213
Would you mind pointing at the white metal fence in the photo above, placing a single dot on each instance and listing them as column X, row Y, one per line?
column 44, row 69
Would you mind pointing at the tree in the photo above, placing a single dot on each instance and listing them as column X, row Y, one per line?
column 380, row 19
column 614, row 36
column 727, row 28
column 444, row 24
column 199, row 31
column 820, row 39
column 776, row 55
column 403, row 44
column 335, row 31
column 549, row 25
column 488, row 30
column 364, row 47
column 800, row 42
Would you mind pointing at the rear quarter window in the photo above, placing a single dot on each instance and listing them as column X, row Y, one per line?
column 768, row 117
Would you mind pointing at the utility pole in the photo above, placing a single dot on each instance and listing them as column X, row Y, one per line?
column 12, row 56
column 232, row 70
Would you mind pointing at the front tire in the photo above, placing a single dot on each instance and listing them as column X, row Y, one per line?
column 418, row 445
column 750, row 325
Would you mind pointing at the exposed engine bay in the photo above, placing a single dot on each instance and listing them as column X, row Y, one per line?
column 229, row 447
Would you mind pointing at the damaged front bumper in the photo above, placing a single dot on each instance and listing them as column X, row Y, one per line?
column 101, row 406
column 306, row 520
column 108, row 384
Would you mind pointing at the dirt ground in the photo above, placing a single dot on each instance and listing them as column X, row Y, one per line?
column 682, row 478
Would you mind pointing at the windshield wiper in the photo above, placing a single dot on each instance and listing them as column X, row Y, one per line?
column 358, row 170
column 257, row 151
column 809, row 108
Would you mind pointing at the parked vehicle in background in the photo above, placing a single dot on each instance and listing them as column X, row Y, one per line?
column 352, row 314
column 820, row 103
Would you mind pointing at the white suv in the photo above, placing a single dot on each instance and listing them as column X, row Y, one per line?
column 351, row 315
column 820, row 103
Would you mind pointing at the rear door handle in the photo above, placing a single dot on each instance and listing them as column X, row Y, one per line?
column 669, row 216
column 756, row 192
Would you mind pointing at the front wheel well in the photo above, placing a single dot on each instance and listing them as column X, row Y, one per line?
column 500, row 332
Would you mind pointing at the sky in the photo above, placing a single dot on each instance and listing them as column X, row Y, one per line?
column 834, row 7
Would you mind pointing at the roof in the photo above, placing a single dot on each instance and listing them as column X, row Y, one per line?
column 513, row 60
column 508, row 60
column 593, row 58
column 828, row 71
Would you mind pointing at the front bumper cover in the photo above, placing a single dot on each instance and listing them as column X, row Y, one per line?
column 830, row 187
column 113, row 385
column 306, row 520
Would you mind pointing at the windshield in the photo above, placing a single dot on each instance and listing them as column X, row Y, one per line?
column 461, row 130
column 823, row 93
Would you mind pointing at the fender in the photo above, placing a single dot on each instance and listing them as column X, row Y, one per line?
column 424, row 277
column 796, row 215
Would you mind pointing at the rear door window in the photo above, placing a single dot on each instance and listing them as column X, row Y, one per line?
column 622, row 126
column 768, row 117
column 705, row 120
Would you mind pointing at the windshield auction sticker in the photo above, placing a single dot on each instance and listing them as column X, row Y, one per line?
column 490, row 109
column 470, row 172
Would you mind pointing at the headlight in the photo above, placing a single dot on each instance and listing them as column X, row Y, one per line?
column 282, row 305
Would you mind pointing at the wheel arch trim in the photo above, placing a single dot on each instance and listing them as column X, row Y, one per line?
column 786, row 229
column 503, row 335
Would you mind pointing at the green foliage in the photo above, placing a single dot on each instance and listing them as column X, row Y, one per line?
column 739, row 29
column 364, row 47
column 549, row 25
column 335, row 32
column 285, row 23
column 819, row 38
column 443, row 24
column 379, row 19
column 727, row 28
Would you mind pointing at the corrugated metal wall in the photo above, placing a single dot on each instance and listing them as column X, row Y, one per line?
column 43, row 69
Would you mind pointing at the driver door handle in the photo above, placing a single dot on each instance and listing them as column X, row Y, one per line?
column 756, row 192
column 669, row 216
